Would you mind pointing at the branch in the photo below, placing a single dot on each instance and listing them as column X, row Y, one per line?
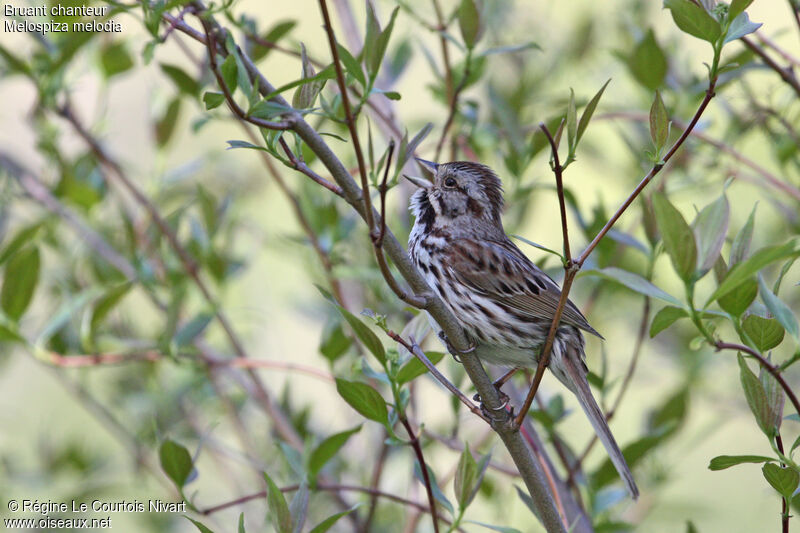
column 655, row 170
column 786, row 74
column 558, row 170
column 424, row 469
column 414, row 348
column 300, row 166
column 769, row 367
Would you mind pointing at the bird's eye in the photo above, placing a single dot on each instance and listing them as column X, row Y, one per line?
column 450, row 182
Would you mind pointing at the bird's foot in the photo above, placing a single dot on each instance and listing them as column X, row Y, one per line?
column 455, row 353
column 492, row 412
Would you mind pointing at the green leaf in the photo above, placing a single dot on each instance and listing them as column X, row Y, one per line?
column 648, row 63
column 375, row 43
column 756, row 397
column 635, row 282
column 741, row 243
column 413, row 368
column 273, row 35
column 298, row 508
column 244, row 144
column 198, row 525
column 740, row 26
column 212, row 99
column 334, row 342
column 659, row 123
column 737, row 7
column 677, row 236
column 722, row 462
column 327, row 449
column 9, row 334
column 165, row 126
column 766, row 333
column 667, row 316
column 183, row 81
column 241, row 523
column 710, row 228
column 469, row 22
column 465, row 478
column 365, row 335
column 351, row 65
column 741, row 271
column 24, row 236
column 192, row 329
column 583, row 123
column 691, row 18
column 229, row 72
column 278, row 510
column 779, row 310
column 104, row 305
column 175, row 461
column 115, row 59
column 19, row 282
column 572, row 122
column 306, row 94
column 328, row 523
column 364, row 399
column 784, row 480
column 739, row 299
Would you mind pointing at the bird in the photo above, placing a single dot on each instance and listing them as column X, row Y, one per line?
column 501, row 299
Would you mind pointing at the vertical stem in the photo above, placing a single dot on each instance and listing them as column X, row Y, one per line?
column 424, row 468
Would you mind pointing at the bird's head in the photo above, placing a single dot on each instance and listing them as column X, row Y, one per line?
column 461, row 190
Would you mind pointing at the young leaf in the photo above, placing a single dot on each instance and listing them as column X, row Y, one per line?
column 175, row 461
column 351, row 65
column 710, row 228
column 677, row 235
column 414, row 368
column 241, row 523
column 691, row 18
column 740, row 26
column 24, row 236
column 165, row 125
column 741, row 271
column 212, row 99
column 364, row 399
column 278, row 510
column 667, row 316
column 298, row 508
column 648, row 63
column 741, row 243
column 305, row 96
column 19, row 282
column 104, row 305
column 739, row 299
column 382, row 42
column 230, row 73
column 766, row 333
column 583, row 123
column 659, row 123
column 466, row 475
column 774, row 395
column 722, row 462
column 572, row 122
column 200, row 527
column 469, row 22
column 784, row 480
column 183, row 81
column 365, row 335
column 192, row 329
column 736, row 7
column 328, row 523
column 633, row 281
column 756, row 397
column 779, row 310
column 327, row 449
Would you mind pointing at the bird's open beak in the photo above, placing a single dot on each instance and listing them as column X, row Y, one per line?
column 430, row 166
column 419, row 182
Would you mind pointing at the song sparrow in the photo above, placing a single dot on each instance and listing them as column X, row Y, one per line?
column 500, row 297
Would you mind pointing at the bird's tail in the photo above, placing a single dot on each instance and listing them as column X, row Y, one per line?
column 573, row 368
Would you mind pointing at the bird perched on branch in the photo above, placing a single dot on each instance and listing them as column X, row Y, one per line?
column 501, row 299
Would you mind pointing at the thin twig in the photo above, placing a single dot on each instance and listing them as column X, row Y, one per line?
column 424, row 469
column 377, row 472
column 451, row 114
column 786, row 74
column 301, row 166
column 778, row 50
column 348, row 113
column 769, row 367
column 784, row 501
column 414, row 348
column 558, row 170
column 721, row 146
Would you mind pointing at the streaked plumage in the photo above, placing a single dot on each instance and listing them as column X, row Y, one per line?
column 500, row 297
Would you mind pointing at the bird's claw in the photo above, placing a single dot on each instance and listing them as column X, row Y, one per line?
column 455, row 353
column 491, row 412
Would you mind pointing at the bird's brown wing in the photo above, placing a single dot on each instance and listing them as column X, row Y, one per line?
column 500, row 271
